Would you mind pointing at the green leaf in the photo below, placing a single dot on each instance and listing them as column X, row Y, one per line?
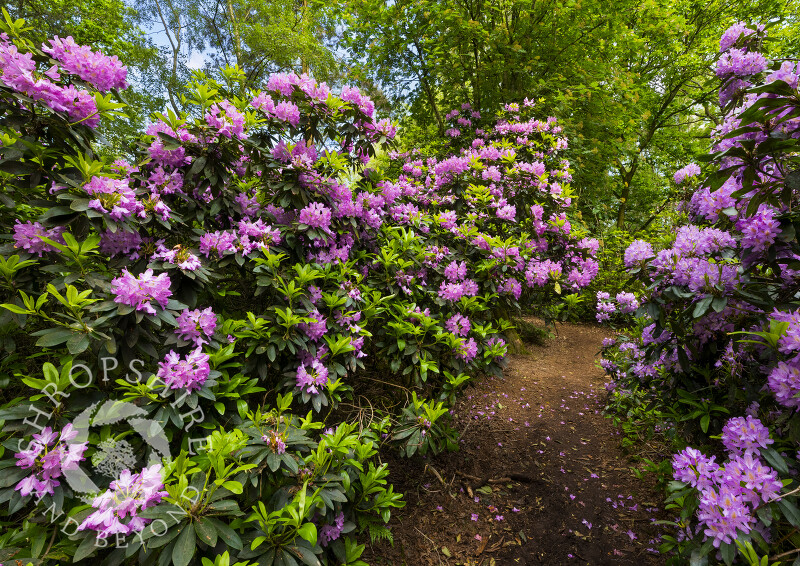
column 775, row 460
column 790, row 512
column 227, row 534
column 86, row 548
column 78, row 343
column 184, row 547
column 308, row 532
column 701, row 307
column 206, row 532
column 14, row 308
column 233, row 486
column 54, row 338
column 728, row 552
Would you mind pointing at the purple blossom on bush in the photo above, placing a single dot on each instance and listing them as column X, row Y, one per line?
column 746, row 435
column 101, row 71
column 317, row 328
column 740, row 63
column 275, row 440
column 455, row 271
column 760, row 230
column 126, row 497
column 329, row 533
column 119, row 242
column 468, row 350
column 287, row 112
column 732, row 35
column 637, row 252
column 48, row 455
column 179, row 256
column 113, row 197
column 140, row 292
column 458, row 324
column 451, row 291
column 189, row 373
column 219, row 242
column 196, row 326
column 17, row 72
column 311, row 380
column 26, row 236
column 627, row 301
column 316, row 215
column 226, row 119
column 784, row 382
column 690, row 171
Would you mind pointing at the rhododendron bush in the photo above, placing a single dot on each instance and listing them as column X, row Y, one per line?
column 720, row 324
column 169, row 316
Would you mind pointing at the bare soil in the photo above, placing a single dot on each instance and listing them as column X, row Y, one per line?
column 539, row 479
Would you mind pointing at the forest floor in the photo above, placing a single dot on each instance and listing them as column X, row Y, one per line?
column 540, row 477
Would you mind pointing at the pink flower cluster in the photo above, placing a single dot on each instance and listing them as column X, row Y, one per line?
column 316, row 215
column 101, row 71
column 275, row 440
column 196, row 326
column 227, row 120
column 730, row 494
column 458, row 324
column 18, row 71
column 189, row 373
column 126, row 497
column 177, row 255
column 142, row 291
column 48, row 456
column 113, row 197
column 312, row 379
column 467, row 350
column 26, row 236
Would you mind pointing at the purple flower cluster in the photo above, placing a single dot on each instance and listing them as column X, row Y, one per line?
column 312, row 379
column 218, row 242
column 458, row 324
column 196, row 326
column 226, row 119
column 467, row 350
column 729, row 494
column 189, row 373
column 318, row 326
column 740, row 63
column 140, row 292
column 48, row 456
column 126, row 497
column 637, row 252
column 179, row 256
column 784, row 382
column 26, row 236
column 760, row 230
column 316, row 215
column 113, row 197
column 119, row 242
column 275, row 440
column 455, row 271
column 101, row 71
column 691, row 171
column 746, row 435
column 329, row 533
column 18, row 71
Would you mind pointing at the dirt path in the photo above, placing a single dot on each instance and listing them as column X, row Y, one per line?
column 572, row 498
